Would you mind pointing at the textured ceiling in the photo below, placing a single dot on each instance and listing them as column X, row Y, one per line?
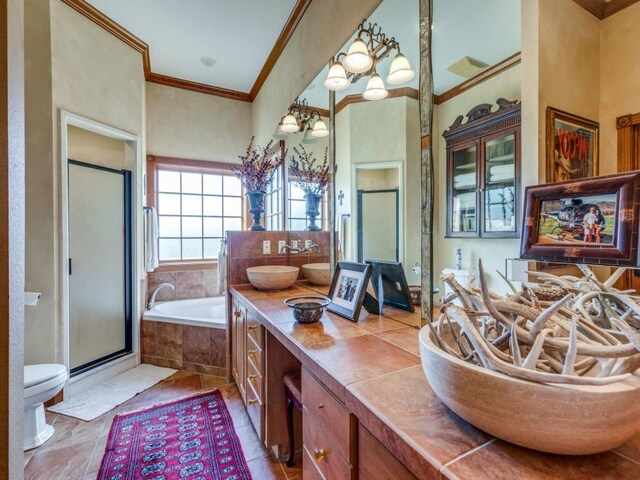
column 237, row 34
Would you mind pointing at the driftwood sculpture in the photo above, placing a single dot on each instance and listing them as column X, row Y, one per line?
column 566, row 331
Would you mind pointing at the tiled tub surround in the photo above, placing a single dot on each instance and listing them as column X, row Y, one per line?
column 184, row 347
column 373, row 367
column 188, row 284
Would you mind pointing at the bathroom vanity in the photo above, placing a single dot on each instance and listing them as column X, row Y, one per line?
column 369, row 412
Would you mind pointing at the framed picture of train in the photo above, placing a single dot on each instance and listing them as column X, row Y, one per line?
column 572, row 146
column 591, row 220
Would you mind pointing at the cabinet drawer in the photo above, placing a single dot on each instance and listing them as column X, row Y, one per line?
column 375, row 461
column 255, row 409
column 309, row 469
column 334, row 419
column 322, row 452
column 254, row 378
column 254, row 353
column 254, row 330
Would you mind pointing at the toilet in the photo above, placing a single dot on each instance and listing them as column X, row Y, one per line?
column 41, row 383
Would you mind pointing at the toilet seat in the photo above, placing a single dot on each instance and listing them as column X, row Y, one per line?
column 40, row 378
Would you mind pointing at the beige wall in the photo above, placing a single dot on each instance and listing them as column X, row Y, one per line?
column 90, row 73
column 12, row 152
column 193, row 125
column 89, row 147
column 492, row 251
column 619, row 78
column 568, row 63
column 322, row 31
column 376, row 132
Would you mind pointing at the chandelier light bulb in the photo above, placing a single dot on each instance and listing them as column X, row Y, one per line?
column 336, row 78
column 289, row 124
column 375, row 89
column 319, row 129
column 358, row 59
column 400, row 70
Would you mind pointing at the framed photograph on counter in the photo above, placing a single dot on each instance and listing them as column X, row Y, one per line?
column 348, row 287
column 572, row 146
column 592, row 220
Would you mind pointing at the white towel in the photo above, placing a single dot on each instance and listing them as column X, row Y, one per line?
column 222, row 268
column 464, row 180
column 501, row 177
column 151, row 260
column 503, row 169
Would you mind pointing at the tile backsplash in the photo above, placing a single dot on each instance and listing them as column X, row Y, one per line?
column 188, row 284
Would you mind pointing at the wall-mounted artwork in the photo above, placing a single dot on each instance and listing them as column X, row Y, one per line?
column 572, row 146
column 592, row 220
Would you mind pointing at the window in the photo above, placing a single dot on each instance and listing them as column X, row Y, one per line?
column 197, row 202
column 274, row 202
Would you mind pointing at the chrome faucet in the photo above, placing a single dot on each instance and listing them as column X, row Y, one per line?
column 152, row 298
column 311, row 247
column 284, row 247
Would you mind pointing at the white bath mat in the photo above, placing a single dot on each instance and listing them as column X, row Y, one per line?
column 107, row 395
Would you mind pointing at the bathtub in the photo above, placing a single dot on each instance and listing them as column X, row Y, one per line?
column 199, row 312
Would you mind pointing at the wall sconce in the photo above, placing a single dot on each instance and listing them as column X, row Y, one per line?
column 301, row 118
column 370, row 47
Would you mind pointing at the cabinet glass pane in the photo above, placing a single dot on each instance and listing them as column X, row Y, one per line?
column 500, row 186
column 463, row 215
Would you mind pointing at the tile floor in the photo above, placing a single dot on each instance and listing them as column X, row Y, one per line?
column 75, row 450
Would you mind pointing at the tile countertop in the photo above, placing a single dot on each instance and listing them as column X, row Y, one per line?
column 373, row 366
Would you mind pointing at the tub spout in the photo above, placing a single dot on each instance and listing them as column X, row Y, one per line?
column 152, row 298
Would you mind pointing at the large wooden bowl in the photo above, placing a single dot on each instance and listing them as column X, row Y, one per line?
column 272, row 277
column 570, row 420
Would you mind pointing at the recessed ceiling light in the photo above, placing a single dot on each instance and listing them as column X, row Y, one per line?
column 207, row 61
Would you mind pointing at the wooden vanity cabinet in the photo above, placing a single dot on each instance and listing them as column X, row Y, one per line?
column 375, row 461
column 238, row 331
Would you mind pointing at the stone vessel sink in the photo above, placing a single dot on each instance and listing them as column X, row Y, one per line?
column 564, row 419
column 317, row 273
column 272, row 277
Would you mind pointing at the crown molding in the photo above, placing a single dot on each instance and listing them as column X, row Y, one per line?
column 285, row 35
column 106, row 23
column 197, row 87
column 393, row 93
column 602, row 9
column 474, row 81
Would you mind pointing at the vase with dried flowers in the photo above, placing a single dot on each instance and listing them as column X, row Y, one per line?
column 259, row 164
column 312, row 177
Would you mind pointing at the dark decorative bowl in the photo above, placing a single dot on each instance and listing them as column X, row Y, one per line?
column 307, row 309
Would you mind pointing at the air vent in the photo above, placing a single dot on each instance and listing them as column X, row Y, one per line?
column 467, row 67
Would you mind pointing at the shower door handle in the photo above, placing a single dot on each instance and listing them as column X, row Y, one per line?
column 70, row 267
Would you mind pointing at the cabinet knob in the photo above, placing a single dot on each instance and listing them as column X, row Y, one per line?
column 252, row 402
column 251, row 328
column 251, row 353
column 236, row 313
column 320, row 454
column 252, row 378
column 321, row 406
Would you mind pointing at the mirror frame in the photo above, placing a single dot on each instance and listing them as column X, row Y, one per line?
column 426, row 161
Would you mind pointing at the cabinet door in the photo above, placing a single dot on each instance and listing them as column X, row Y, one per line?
column 240, row 339
column 500, row 185
column 235, row 313
column 463, row 191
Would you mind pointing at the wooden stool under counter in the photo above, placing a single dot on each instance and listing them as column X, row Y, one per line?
column 293, row 393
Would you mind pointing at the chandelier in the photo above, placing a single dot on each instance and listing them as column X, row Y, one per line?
column 302, row 118
column 370, row 47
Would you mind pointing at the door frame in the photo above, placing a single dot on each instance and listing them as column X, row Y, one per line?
column 133, row 151
column 398, row 165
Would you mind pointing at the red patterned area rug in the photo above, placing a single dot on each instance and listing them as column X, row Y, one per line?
column 192, row 438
